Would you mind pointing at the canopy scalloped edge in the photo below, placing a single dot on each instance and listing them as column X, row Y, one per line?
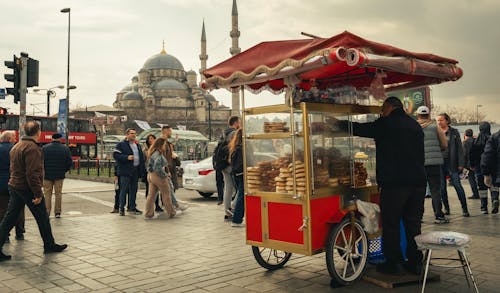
column 221, row 82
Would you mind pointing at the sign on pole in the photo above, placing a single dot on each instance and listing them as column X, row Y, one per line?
column 62, row 118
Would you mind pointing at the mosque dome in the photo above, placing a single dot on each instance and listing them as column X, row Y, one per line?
column 169, row 84
column 132, row 96
column 163, row 61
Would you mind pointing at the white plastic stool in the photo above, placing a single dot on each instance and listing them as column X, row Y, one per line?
column 441, row 240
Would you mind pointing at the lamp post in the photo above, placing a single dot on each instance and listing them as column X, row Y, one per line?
column 50, row 93
column 68, row 11
column 209, row 122
column 477, row 113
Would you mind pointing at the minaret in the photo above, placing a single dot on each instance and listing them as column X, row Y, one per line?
column 235, row 49
column 203, row 55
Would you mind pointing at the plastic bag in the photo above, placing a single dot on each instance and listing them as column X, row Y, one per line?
column 370, row 216
column 448, row 238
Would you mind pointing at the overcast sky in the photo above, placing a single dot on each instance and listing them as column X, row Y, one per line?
column 111, row 39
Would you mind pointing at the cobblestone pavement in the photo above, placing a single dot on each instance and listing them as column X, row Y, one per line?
column 198, row 252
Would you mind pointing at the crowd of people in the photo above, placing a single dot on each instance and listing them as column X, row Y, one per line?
column 412, row 154
column 154, row 164
column 23, row 183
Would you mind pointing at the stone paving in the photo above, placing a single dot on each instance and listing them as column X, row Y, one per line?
column 198, row 252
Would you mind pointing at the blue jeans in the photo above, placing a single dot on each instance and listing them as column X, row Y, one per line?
column 239, row 209
column 455, row 181
column 16, row 203
column 129, row 184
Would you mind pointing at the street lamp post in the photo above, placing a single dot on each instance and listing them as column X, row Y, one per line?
column 477, row 113
column 209, row 122
column 68, row 11
column 50, row 93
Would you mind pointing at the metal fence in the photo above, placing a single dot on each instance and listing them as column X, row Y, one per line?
column 88, row 167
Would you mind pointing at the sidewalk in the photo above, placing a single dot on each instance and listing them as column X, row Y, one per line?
column 198, row 252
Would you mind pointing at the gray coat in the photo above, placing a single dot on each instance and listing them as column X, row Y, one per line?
column 432, row 148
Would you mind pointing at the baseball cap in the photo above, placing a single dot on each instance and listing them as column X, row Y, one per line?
column 56, row 136
column 423, row 110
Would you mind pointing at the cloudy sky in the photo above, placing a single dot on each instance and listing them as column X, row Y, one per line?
column 111, row 39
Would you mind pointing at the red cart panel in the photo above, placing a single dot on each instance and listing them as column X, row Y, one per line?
column 284, row 221
column 253, row 206
column 322, row 211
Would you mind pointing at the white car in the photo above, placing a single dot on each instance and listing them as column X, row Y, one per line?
column 201, row 176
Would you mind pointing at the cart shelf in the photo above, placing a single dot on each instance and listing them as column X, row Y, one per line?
column 274, row 135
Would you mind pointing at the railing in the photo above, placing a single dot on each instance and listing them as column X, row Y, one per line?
column 88, row 167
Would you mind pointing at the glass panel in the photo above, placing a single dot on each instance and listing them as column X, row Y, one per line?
column 267, row 123
column 264, row 158
column 339, row 159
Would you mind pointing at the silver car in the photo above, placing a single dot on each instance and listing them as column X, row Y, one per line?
column 201, row 176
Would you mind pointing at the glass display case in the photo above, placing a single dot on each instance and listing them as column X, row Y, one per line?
column 303, row 166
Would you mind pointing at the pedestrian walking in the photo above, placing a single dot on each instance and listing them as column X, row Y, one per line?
column 467, row 145
column 401, row 177
column 434, row 144
column 454, row 163
column 158, row 178
column 130, row 160
column 236, row 161
column 25, row 188
column 150, row 139
column 172, row 159
column 7, row 141
column 56, row 162
column 477, row 150
column 221, row 160
column 490, row 168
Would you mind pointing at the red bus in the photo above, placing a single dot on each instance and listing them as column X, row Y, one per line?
column 82, row 136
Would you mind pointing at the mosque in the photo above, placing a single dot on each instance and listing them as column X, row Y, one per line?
column 163, row 92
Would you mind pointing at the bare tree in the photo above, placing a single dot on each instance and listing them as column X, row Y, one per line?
column 459, row 114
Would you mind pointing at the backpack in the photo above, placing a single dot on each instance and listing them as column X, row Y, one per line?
column 221, row 154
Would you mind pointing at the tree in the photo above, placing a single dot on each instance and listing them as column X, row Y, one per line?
column 459, row 114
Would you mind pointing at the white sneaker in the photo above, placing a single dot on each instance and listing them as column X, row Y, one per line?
column 240, row 225
column 181, row 207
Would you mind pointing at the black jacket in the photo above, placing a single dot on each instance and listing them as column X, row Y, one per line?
column 490, row 163
column 56, row 160
column 455, row 150
column 237, row 161
column 477, row 146
column 5, row 148
column 126, row 167
column 400, row 149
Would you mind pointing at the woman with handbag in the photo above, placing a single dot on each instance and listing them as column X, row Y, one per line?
column 158, row 178
column 150, row 139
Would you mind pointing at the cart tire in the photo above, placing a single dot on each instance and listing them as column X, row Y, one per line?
column 346, row 252
column 270, row 259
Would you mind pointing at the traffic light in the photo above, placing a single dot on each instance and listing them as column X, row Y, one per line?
column 15, row 77
column 3, row 115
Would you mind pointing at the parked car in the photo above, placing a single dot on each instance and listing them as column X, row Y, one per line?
column 201, row 176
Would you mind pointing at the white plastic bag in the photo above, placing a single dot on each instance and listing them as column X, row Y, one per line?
column 446, row 238
column 370, row 215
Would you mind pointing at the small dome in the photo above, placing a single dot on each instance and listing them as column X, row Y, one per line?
column 132, row 96
column 210, row 98
column 128, row 88
column 163, row 61
column 191, row 72
column 170, row 84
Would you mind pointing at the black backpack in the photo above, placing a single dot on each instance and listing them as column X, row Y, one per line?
column 221, row 154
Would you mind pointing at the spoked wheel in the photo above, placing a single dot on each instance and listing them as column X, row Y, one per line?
column 346, row 252
column 270, row 259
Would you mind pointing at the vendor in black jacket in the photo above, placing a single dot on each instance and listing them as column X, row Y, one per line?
column 130, row 167
column 401, row 178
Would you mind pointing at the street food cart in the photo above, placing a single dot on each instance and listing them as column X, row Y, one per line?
column 304, row 201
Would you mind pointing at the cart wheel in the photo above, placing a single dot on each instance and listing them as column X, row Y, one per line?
column 270, row 259
column 346, row 252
